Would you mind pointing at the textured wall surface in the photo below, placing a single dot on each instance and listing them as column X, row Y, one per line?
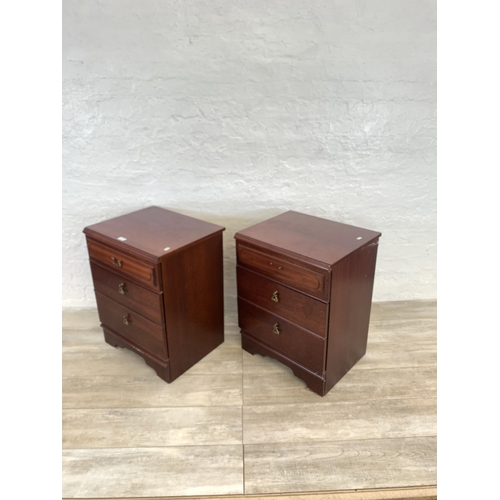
column 235, row 111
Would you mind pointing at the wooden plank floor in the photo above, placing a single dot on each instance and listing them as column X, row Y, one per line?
column 239, row 424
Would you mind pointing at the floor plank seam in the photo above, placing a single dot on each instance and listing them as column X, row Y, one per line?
column 311, row 441
column 157, row 447
column 260, row 405
column 353, row 402
column 335, row 402
column 356, row 369
column 148, row 408
column 102, row 408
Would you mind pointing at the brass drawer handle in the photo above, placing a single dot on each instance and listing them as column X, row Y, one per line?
column 276, row 329
column 116, row 262
column 275, row 297
column 121, row 288
column 126, row 320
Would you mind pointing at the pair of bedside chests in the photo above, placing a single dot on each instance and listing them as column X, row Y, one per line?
column 304, row 290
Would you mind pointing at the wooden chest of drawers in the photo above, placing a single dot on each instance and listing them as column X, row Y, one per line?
column 159, row 286
column 304, row 294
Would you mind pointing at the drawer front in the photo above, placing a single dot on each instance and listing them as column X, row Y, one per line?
column 297, row 277
column 295, row 307
column 291, row 340
column 123, row 264
column 139, row 330
column 131, row 295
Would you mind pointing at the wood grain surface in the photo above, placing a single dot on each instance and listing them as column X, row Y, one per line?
column 184, row 470
column 150, row 391
column 392, row 418
column 144, row 427
column 223, row 428
column 340, row 465
column 154, row 231
column 314, row 237
column 375, row 384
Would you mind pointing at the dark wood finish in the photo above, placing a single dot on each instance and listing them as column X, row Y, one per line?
column 132, row 326
column 128, row 293
column 352, row 287
column 152, row 230
column 169, row 268
column 313, row 238
column 298, row 308
column 194, row 306
column 289, row 339
column 116, row 260
column 326, row 281
column 314, row 381
column 161, row 367
column 279, row 270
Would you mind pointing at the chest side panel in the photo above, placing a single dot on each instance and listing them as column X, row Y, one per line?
column 194, row 304
column 351, row 298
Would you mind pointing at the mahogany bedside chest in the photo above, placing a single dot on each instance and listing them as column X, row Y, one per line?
column 159, row 286
column 304, row 294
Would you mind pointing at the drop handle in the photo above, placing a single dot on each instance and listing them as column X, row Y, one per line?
column 126, row 320
column 276, row 328
column 116, row 262
column 275, row 297
column 121, row 288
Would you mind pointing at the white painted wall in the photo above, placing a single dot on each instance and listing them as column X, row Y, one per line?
column 235, row 111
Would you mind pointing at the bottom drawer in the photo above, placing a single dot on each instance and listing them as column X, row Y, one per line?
column 291, row 340
column 132, row 326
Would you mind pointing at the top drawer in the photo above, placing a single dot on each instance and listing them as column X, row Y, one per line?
column 123, row 264
column 295, row 276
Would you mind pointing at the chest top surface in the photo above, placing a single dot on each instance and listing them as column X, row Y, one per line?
column 318, row 239
column 153, row 230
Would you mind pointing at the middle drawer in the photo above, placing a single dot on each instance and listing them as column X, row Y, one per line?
column 296, row 307
column 121, row 289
